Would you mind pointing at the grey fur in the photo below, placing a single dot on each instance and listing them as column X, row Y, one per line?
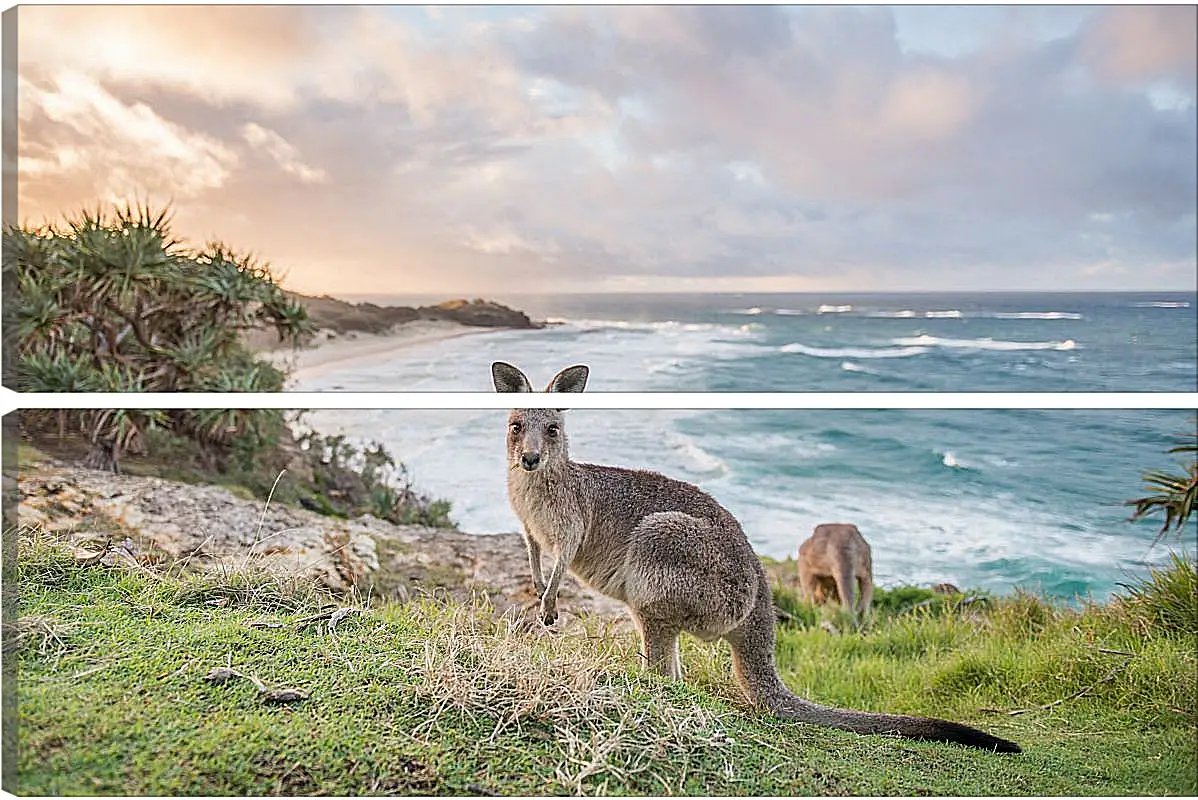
column 677, row 558
column 838, row 552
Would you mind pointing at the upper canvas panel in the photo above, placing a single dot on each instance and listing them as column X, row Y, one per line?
column 703, row 198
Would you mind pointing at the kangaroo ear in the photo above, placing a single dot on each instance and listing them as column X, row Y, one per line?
column 570, row 379
column 508, row 378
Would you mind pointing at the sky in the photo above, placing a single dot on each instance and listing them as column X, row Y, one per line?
column 472, row 150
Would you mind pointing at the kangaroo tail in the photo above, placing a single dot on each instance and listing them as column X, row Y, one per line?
column 786, row 705
column 753, row 662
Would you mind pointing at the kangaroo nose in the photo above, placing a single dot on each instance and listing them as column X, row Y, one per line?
column 530, row 460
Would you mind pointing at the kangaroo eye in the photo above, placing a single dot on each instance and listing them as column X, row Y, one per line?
column 516, row 427
column 552, row 430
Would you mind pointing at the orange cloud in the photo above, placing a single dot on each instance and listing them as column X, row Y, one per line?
column 1130, row 44
column 119, row 148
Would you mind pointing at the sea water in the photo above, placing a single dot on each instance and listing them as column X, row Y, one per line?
column 993, row 499
column 828, row 343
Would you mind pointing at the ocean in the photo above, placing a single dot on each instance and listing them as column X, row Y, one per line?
column 832, row 343
column 992, row 499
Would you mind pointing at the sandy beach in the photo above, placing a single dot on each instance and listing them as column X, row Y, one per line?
column 330, row 350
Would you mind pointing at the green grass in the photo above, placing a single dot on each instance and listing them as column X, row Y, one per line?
column 433, row 697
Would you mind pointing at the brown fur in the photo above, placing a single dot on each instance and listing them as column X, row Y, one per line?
column 836, row 556
column 677, row 558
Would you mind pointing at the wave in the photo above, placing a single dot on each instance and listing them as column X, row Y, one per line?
column 648, row 327
column 1161, row 304
column 849, row 366
column 954, row 313
column 758, row 310
column 695, row 458
column 852, row 352
column 670, row 365
column 834, row 309
column 1033, row 315
column 951, row 461
column 981, row 344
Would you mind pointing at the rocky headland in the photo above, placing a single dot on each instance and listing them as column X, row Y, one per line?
column 151, row 521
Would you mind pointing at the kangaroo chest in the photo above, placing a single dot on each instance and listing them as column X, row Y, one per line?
column 545, row 506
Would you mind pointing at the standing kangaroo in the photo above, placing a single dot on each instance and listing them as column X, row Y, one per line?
column 677, row 558
column 837, row 551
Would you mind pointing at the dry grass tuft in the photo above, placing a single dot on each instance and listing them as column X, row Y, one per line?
column 611, row 722
column 45, row 634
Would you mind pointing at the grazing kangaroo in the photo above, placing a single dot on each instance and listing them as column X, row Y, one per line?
column 677, row 558
column 837, row 551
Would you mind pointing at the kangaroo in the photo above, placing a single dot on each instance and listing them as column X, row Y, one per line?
column 839, row 552
column 674, row 556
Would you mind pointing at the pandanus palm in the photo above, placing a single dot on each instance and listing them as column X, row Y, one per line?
column 115, row 303
column 1172, row 494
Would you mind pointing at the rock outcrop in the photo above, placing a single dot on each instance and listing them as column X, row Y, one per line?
column 211, row 527
column 336, row 315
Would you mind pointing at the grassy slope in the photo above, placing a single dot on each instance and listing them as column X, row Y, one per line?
column 436, row 698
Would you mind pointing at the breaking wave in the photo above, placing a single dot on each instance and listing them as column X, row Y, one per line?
column 1033, row 315
column 981, row 344
column 849, row 366
column 852, row 352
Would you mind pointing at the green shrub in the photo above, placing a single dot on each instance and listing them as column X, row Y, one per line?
column 1168, row 598
column 114, row 303
column 352, row 481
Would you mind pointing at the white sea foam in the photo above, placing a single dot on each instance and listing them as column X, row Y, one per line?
column 1032, row 315
column 954, row 313
column 669, row 365
column 789, row 312
column 950, row 460
column 1162, row 304
column 825, row 309
column 749, row 329
column 852, row 352
column 924, row 340
column 694, row 458
column 637, row 325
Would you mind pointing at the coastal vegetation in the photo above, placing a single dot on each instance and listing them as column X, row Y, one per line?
column 114, row 302
column 1172, row 495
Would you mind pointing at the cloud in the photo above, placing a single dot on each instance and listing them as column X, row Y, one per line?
column 635, row 145
column 283, row 152
column 222, row 54
column 1138, row 44
column 118, row 148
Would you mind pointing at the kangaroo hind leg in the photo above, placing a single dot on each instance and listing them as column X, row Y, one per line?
column 659, row 643
column 846, row 584
column 866, row 601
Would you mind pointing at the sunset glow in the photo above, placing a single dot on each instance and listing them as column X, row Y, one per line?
column 468, row 150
